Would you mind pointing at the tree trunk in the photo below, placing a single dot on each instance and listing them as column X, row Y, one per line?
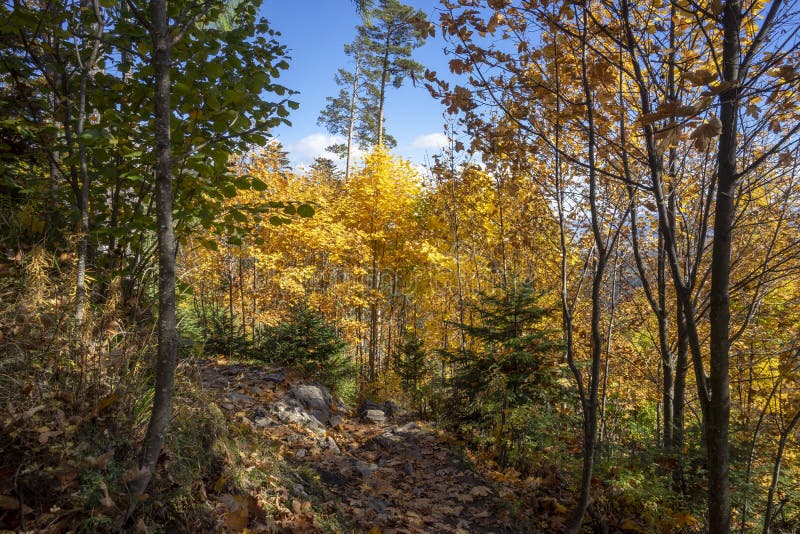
column 351, row 126
column 589, row 398
column 679, row 397
column 776, row 470
column 374, row 319
column 167, row 333
column 87, row 66
column 382, row 99
column 719, row 497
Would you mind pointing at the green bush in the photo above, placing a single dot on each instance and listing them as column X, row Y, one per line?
column 412, row 365
column 307, row 341
column 510, row 366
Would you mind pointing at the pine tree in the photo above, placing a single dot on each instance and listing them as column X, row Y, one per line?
column 412, row 365
column 394, row 31
column 510, row 364
column 381, row 54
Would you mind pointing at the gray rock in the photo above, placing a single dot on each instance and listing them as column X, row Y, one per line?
column 392, row 409
column 330, row 444
column 276, row 377
column 386, row 441
column 301, row 453
column 408, row 428
column 336, row 421
column 314, row 398
column 364, row 469
column 291, row 411
column 368, row 405
column 374, row 416
column 234, row 396
column 340, row 406
column 263, row 422
column 408, row 469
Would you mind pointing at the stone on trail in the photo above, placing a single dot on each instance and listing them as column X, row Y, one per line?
column 330, row 445
column 392, row 409
column 291, row 411
column 336, row 421
column 374, row 416
column 364, row 469
column 276, row 377
column 316, row 399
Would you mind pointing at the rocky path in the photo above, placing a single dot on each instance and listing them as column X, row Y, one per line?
column 385, row 474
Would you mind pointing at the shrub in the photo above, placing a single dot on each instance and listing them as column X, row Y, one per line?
column 307, row 341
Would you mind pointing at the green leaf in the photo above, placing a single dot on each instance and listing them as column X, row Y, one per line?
column 214, row 70
column 181, row 88
column 228, row 190
column 305, row 210
column 210, row 244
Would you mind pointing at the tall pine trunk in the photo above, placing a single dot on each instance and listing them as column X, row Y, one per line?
column 384, row 79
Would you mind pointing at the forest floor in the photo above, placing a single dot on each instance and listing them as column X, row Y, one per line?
column 393, row 477
column 242, row 455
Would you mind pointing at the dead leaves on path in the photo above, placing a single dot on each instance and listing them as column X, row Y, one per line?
column 390, row 478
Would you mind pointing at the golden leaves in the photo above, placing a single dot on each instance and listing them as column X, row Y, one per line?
column 700, row 77
column 669, row 110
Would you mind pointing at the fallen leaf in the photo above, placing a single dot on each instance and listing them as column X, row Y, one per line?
column 99, row 462
column 481, row 491
column 10, row 503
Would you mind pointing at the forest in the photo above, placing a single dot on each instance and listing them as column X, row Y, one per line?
column 580, row 315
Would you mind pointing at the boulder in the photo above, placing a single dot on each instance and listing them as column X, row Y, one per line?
column 369, row 405
column 408, row 428
column 372, row 412
column 386, row 441
column 314, row 398
column 374, row 416
column 330, row 445
column 392, row 409
column 291, row 411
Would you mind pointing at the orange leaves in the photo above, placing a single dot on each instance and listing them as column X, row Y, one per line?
column 458, row 66
column 787, row 73
column 685, row 520
column 700, row 77
column 237, row 511
column 458, row 100
column 669, row 110
column 703, row 134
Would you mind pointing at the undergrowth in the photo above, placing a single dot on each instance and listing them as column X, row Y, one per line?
column 78, row 400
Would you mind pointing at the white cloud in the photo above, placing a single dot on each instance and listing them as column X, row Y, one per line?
column 303, row 151
column 312, row 146
column 431, row 141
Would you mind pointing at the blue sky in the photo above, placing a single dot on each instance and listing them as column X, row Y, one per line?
column 315, row 32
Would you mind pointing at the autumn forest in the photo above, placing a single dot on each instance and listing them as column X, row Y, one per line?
column 580, row 315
